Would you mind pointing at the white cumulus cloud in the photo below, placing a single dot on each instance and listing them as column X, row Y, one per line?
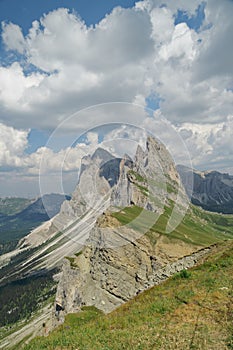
column 131, row 54
column 12, row 145
column 13, row 37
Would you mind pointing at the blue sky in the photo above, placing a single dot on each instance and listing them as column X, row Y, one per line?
column 23, row 12
column 172, row 56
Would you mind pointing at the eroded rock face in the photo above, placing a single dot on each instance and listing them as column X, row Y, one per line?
column 106, row 278
column 150, row 181
column 94, row 183
column 120, row 261
column 122, row 193
column 67, row 292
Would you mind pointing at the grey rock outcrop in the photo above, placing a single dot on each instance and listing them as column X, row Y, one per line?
column 67, row 293
column 94, row 183
column 98, row 175
column 120, row 261
column 108, row 278
column 150, row 181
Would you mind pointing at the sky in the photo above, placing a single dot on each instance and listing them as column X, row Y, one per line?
column 70, row 70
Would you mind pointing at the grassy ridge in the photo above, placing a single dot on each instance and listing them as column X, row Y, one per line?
column 198, row 227
column 189, row 311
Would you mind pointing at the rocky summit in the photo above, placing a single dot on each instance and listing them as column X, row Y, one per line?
column 123, row 258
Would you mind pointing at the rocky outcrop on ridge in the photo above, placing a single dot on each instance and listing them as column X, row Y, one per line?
column 108, row 279
column 119, row 261
column 150, row 181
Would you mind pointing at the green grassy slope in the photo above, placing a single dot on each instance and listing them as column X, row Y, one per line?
column 197, row 228
column 191, row 310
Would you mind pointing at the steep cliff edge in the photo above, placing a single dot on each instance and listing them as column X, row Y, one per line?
column 128, row 249
column 106, row 278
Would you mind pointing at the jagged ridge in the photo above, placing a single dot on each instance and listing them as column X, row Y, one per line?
column 211, row 190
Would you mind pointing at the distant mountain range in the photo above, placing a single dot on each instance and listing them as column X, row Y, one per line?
column 18, row 216
column 212, row 190
column 13, row 205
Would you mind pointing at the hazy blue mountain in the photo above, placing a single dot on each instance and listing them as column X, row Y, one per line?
column 14, row 227
column 212, row 190
column 13, row 205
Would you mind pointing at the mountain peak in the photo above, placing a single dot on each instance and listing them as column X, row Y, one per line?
column 101, row 153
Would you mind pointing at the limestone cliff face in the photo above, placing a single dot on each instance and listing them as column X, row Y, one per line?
column 119, row 261
column 155, row 161
column 106, row 278
column 150, row 181
column 94, row 182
